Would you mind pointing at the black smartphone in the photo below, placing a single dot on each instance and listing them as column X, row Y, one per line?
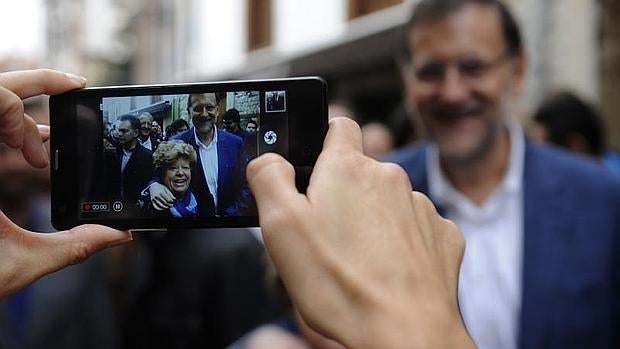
column 175, row 156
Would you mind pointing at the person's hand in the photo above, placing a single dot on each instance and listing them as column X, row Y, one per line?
column 18, row 130
column 365, row 260
column 161, row 197
column 25, row 256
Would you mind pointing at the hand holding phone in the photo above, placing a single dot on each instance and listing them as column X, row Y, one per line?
column 360, row 249
column 25, row 256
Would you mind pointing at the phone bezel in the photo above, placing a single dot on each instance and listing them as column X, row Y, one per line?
column 306, row 130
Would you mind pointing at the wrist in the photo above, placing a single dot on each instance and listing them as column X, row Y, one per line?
column 405, row 327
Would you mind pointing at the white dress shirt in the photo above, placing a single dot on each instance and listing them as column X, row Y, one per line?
column 147, row 144
column 126, row 157
column 208, row 157
column 490, row 279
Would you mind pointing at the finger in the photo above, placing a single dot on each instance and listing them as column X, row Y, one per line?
column 11, row 119
column 157, row 202
column 28, row 83
column 54, row 251
column 272, row 181
column 168, row 196
column 33, row 149
column 343, row 134
column 158, row 206
column 44, row 132
column 161, row 204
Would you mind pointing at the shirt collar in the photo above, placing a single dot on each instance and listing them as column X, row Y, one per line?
column 130, row 151
column 443, row 191
column 213, row 141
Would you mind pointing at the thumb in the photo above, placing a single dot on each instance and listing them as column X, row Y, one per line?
column 272, row 181
column 55, row 251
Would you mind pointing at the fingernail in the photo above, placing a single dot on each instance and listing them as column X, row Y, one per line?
column 127, row 238
column 79, row 79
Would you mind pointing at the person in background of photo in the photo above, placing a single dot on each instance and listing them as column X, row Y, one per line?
column 378, row 140
column 232, row 123
column 177, row 126
column 231, row 120
column 157, row 133
column 251, row 127
column 251, row 139
column 146, row 137
column 567, row 121
column 129, row 165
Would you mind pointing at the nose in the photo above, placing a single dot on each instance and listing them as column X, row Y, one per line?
column 453, row 88
column 204, row 111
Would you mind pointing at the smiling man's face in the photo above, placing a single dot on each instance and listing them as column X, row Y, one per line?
column 462, row 81
column 203, row 108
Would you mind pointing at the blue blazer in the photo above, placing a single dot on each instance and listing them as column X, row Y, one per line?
column 571, row 250
column 232, row 191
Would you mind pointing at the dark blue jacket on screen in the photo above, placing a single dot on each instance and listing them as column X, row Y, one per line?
column 571, row 262
column 232, row 190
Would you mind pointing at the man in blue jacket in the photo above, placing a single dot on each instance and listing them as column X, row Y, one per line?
column 219, row 175
column 542, row 227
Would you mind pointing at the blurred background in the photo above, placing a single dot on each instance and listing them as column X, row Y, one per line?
column 572, row 44
column 114, row 300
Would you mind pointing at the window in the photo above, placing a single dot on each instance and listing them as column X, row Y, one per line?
column 259, row 24
column 358, row 8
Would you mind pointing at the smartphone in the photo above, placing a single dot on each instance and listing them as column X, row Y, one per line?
column 175, row 156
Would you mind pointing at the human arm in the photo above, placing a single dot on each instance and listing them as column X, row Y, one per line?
column 161, row 197
column 365, row 261
column 25, row 256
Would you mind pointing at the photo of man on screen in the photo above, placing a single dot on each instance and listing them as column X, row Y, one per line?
column 130, row 164
column 220, row 163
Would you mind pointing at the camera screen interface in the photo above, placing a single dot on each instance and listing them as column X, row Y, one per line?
column 175, row 155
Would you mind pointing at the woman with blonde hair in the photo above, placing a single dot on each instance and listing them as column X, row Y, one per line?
column 174, row 161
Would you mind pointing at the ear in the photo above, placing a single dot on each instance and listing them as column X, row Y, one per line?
column 519, row 67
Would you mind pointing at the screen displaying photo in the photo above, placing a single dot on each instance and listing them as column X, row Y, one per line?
column 182, row 155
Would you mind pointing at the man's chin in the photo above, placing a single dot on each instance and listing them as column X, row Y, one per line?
column 204, row 128
column 461, row 153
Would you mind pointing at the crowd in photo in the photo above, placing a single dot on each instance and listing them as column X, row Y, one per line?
column 196, row 168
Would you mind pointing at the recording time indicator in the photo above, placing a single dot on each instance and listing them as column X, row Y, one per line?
column 95, row 206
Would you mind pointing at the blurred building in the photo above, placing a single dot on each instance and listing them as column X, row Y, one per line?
column 348, row 42
column 91, row 37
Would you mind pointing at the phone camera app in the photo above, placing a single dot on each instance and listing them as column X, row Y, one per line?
column 270, row 137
